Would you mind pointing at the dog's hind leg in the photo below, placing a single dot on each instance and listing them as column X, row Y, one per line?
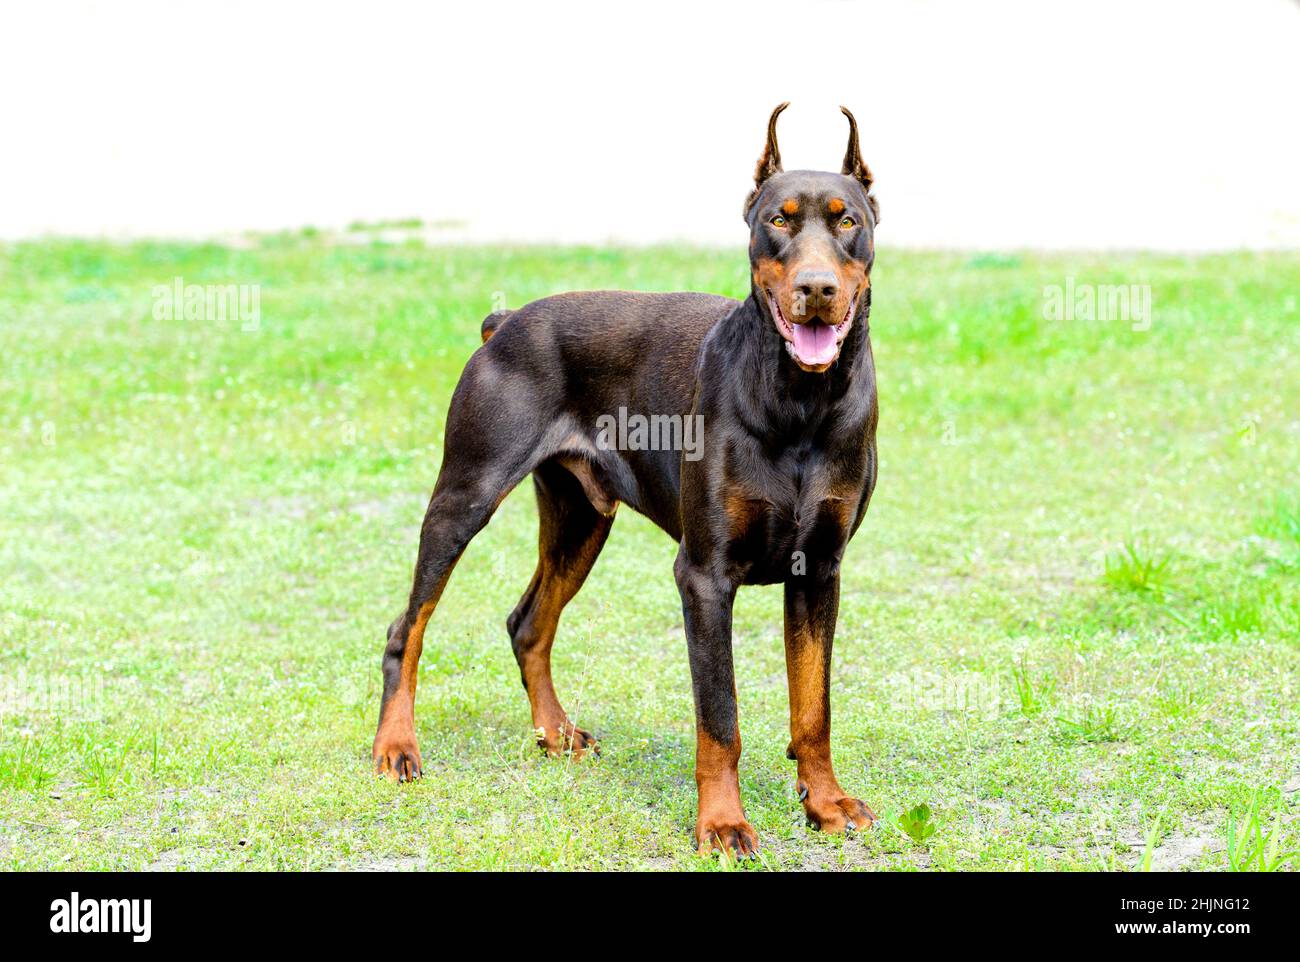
column 572, row 532
column 492, row 442
column 457, row 511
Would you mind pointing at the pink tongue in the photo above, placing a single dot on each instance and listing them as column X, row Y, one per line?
column 814, row 343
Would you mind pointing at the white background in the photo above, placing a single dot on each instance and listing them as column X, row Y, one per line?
column 1169, row 125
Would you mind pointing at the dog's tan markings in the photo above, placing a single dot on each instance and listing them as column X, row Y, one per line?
column 809, row 726
column 395, row 751
column 553, row 586
column 601, row 499
column 721, row 822
column 570, row 537
column 768, row 273
column 742, row 513
column 853, row 280
column 836, row 206
column 791, row 206
column 807, row 647
column 840, row 508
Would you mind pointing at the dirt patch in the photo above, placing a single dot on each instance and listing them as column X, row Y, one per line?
column 1179, row 853
column 387, row 507
column 169, row 861
column 1175, row 853
column 171, row 794
column 659, row 863
column 404, row 863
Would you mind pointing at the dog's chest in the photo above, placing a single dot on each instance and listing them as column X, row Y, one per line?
column 787, row 518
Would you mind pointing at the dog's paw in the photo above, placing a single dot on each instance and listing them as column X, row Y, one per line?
column 397, row 758
column 567, row 740
column 835, row 814
column 733, row 836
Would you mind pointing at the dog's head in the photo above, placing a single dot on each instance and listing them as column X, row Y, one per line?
column 811, row 247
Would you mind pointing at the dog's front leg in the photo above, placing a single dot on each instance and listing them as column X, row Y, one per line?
column 706, row 606
column 811, row 608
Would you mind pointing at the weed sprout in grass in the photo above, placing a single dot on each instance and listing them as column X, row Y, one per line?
column 1033, row 694
column 1249, row 847
column 1152, row 843
column 1282, row 524
column 1093, row 725
column 917, row 824
column 20, row 764
column 1134, row 568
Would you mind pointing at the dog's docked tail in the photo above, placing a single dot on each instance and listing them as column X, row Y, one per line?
column 492, row 322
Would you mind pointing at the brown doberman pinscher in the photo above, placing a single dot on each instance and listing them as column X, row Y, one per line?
column 784, row 388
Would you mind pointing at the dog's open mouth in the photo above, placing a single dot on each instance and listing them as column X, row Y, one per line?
column 813, row 344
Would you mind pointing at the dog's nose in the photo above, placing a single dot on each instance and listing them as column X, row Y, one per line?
column 817, row 287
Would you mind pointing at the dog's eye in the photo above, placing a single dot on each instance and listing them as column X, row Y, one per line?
column 777, row 221
column 848, row 223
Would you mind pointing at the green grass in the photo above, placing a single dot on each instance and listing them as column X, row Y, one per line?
column 1252, row 845
column 1131, row 570
column 1069, row 626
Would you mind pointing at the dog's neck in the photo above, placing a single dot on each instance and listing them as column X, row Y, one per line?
column 771, row 391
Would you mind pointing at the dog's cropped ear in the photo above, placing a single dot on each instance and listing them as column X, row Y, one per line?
column 770, row 162
column 855, row 167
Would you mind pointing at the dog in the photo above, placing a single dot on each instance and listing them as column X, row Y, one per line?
column 784, row 386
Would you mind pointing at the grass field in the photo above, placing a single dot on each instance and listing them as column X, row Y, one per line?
column 1070, row 624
